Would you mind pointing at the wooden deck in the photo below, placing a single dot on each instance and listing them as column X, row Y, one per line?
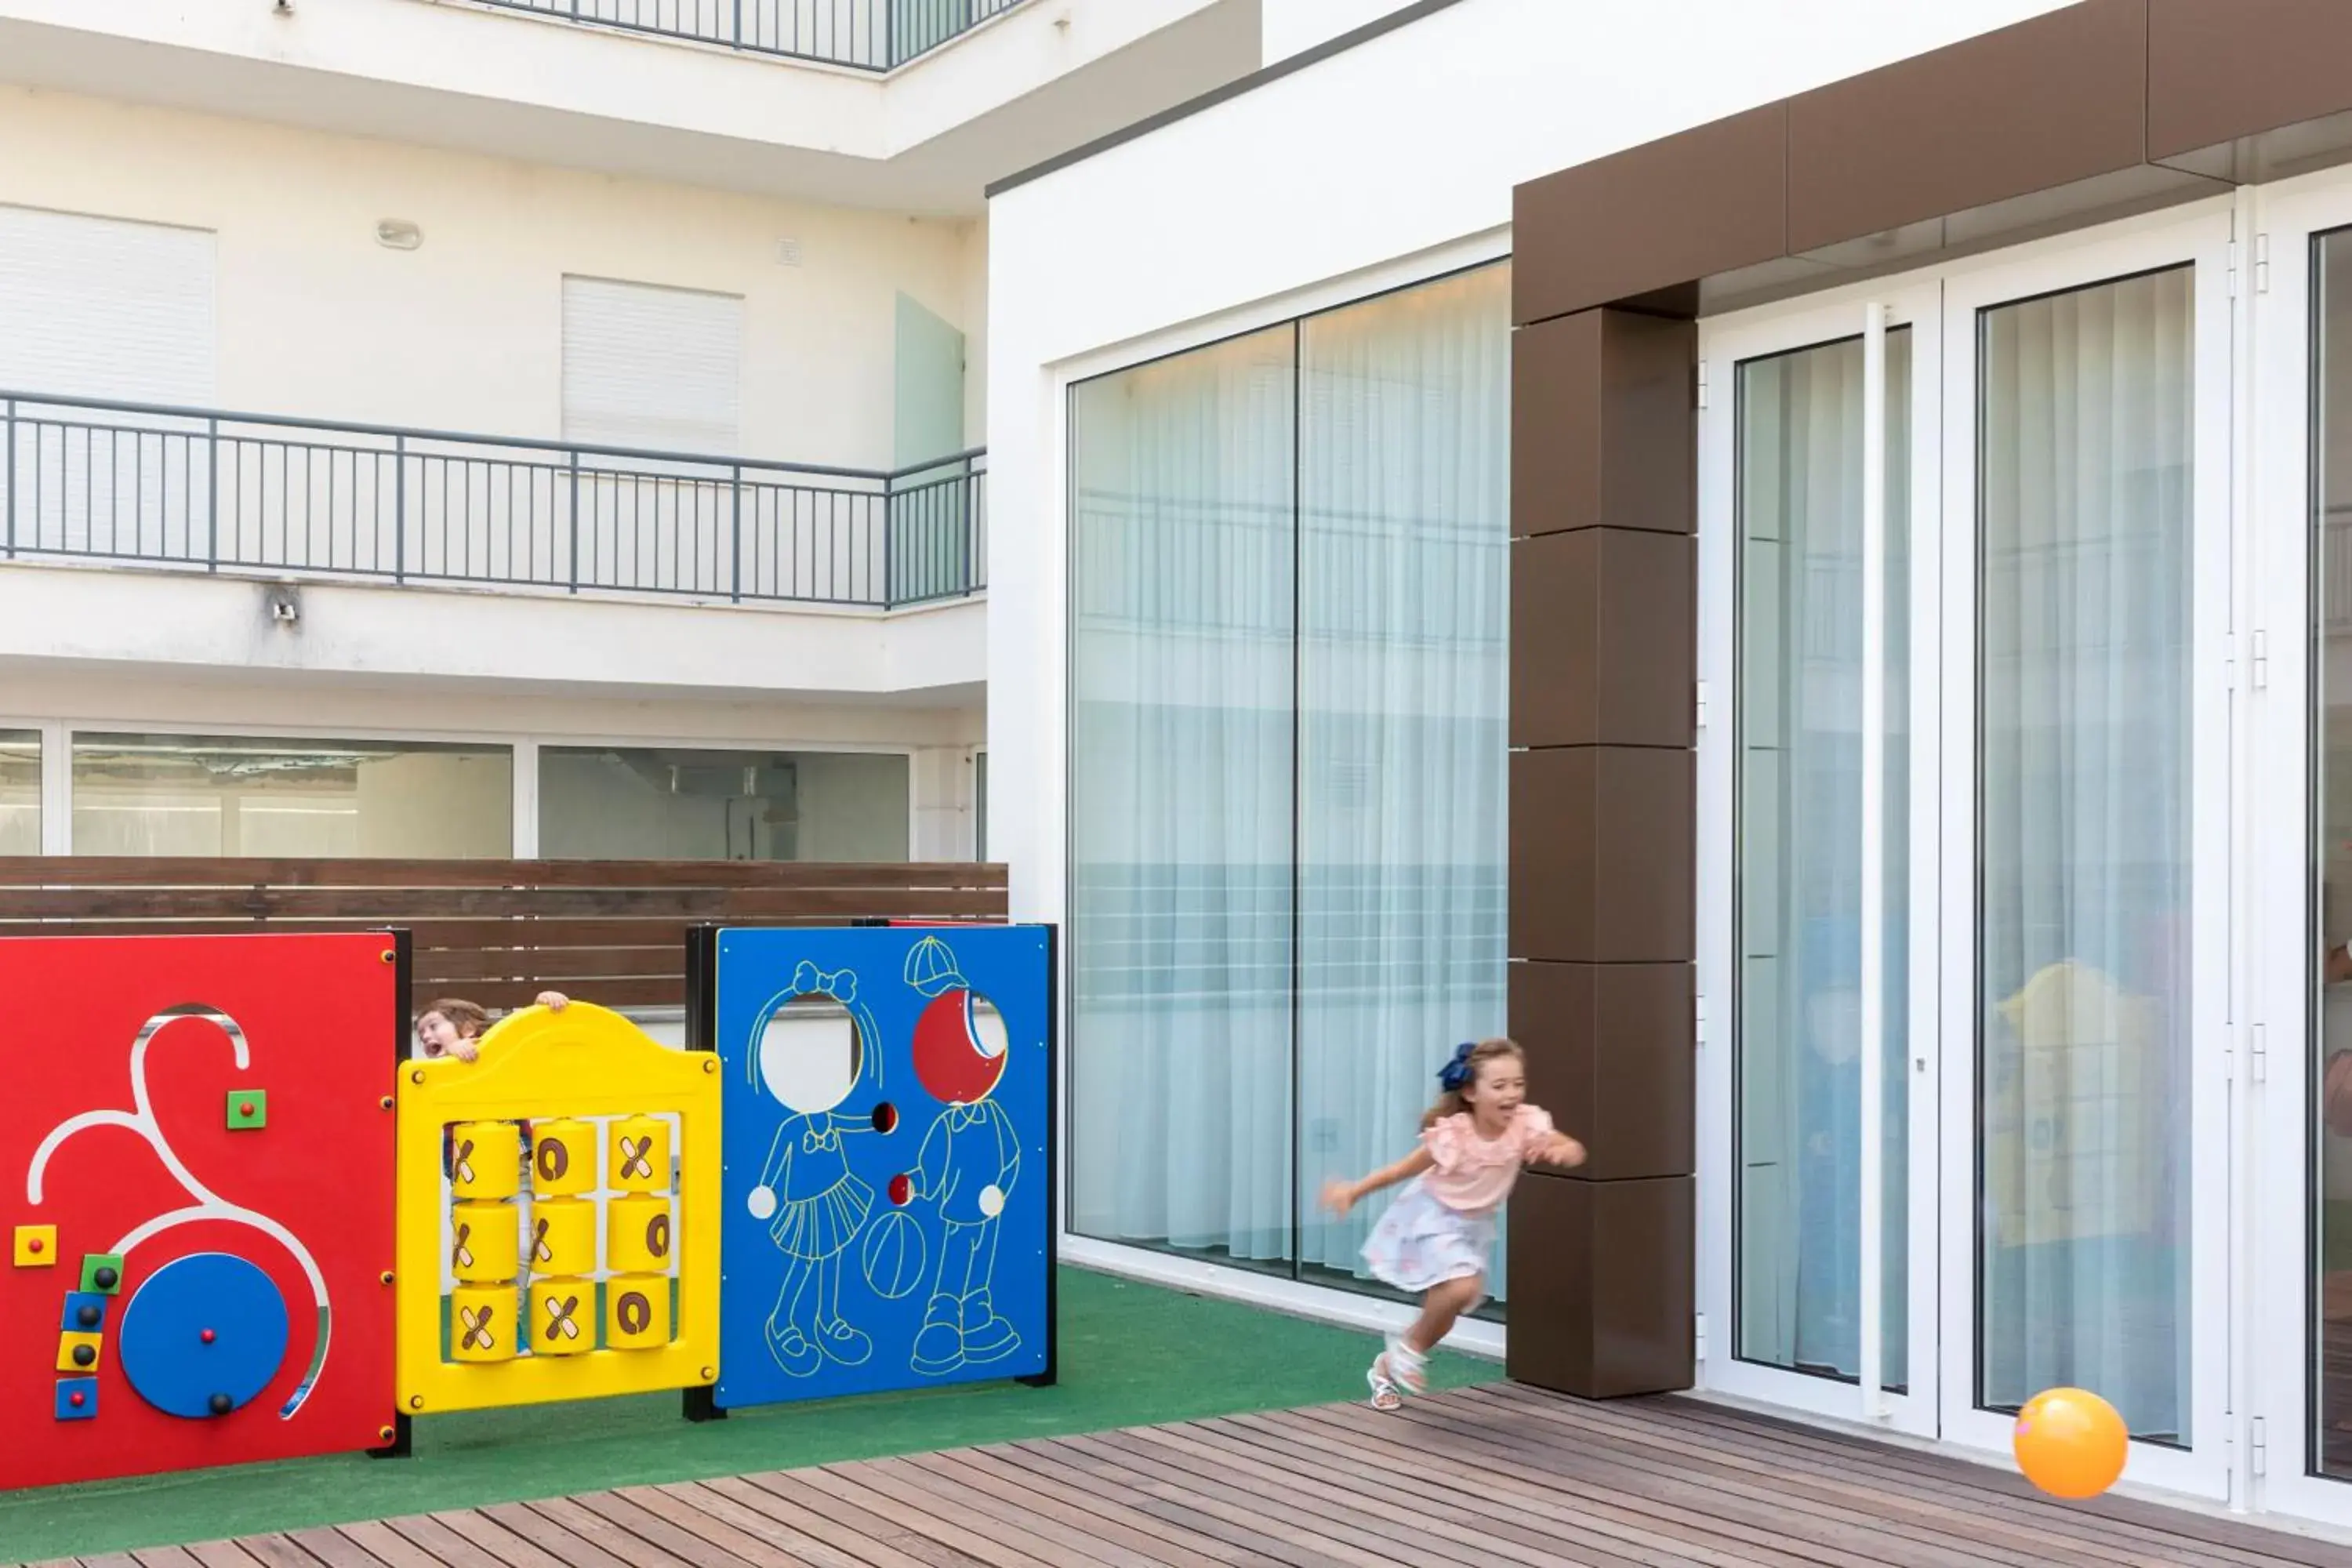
column 1495, row 1475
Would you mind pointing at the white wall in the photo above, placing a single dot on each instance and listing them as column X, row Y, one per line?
column 315, row 318
column 1385, row 163
column 1293, row 26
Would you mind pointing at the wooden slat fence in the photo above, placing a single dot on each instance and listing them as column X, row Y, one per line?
column 497, row 932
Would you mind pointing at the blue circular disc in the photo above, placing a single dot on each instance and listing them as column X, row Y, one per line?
column 203, row 1335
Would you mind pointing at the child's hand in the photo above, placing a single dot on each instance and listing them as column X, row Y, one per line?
column 1338, row 1197
column 466, row 1049
column 554, row 1000
column 1562, row 1150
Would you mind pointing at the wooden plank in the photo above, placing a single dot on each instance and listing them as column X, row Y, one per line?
column 165, row 1557
column 393, row 905
column 332, row 1549
column 506, row 964
column 278, row 1552
column 1054, row 1535
column 172, row 871
column 1889, row 1513
column 386, row 1545
column 1452, row 1521
column 486, row 1536
column 441, row 1543
column 741, row 1492
column 506, row 995
column 1010, row 1495
column 755, row 1547
column 550, row 1537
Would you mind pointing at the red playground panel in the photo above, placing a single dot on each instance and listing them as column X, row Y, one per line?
column 197, row 1179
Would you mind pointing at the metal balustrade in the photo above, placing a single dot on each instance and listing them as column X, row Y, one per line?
column 213, row 491
column 865, row 35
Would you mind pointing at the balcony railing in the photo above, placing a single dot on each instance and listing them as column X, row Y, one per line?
column 255, row 493
column 865, row 35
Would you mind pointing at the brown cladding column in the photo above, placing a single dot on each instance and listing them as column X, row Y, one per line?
column 1604, row 573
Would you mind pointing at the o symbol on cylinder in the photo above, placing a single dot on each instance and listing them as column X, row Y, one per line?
column 637, row 1313
column 657, row 1235
column 554, row 1159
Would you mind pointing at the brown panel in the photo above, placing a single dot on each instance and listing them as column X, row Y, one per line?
column 1603, row 639
column 1602, row 1290
column 1601, row 854
column 1651, row 218
column 2049, row 101
column 1604, row 422
column 1610, row 1056
column 2220, row 70
column 174, row 871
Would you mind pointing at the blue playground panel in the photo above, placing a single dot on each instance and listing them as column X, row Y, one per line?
column 888, row 1219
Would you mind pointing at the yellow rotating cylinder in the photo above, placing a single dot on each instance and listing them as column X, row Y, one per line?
column 640, row 1236
column 485, row 1159
column 562, row 1159
column 637, row 1160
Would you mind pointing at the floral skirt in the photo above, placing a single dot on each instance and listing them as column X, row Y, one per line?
column 1421, row 1243
column 818, row 1228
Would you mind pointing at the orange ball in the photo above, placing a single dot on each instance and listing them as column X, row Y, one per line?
column 2071, row 1444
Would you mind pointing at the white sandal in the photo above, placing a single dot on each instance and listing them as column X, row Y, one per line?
column 1408, row 1366
column 1385, row 1397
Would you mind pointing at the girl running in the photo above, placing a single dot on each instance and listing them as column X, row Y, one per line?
column 1438, row 1236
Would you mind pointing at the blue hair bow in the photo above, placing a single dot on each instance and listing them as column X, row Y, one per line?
column 1455, row 1075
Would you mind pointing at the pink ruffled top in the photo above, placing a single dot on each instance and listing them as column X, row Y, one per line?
column 1473, row 1173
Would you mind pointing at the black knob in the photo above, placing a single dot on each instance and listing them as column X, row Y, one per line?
column 85, row 1355
column 104, row 1278
column 87, row 1317
column 220, row 1404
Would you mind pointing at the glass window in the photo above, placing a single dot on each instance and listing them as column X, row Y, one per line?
column 1800, row 921
column 612, row 802
column 1288, row 752
column 2331, row 1044
column 20, row 792
column 2084, row 717
column 1403, row 744
column 252, row 795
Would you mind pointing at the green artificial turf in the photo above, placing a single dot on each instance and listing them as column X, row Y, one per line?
column 1131, row 1355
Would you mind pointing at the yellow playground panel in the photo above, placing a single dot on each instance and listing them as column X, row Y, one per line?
column 571, row 1266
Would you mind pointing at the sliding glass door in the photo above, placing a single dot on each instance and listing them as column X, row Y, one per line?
column 1968, row 568
column 2087, row 825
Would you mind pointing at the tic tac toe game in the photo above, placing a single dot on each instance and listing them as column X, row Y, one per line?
column 888, row 1216
column 196, row 1177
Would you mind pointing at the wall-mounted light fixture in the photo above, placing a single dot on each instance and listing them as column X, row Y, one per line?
column 398, row 234
column 285, row 606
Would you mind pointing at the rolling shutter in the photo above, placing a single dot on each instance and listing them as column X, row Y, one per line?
column 100, row 307
column 655, row 368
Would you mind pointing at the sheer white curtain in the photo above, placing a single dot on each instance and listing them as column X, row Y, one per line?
column 1182, row 802
column 1799, row 924
column 2085, row 524
column 1404, row 509
column 1288, row 754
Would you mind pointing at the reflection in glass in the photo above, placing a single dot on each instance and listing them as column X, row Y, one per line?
column 2084, row 993
column 621, row 803
column 20, row 792
column 2331, row 1045
column 1404, row 542
column 1800, row 921
column 250, row 795
column 1181, row 800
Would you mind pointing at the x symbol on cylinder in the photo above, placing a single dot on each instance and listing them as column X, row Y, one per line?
column 638, row 1157
column 538, row 1249
column 560, row 1318
column 478, row 1329
column 462, row 1255
column 466, row 1160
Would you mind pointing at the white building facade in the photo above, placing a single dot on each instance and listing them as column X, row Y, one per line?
column 453, row 430
column 1913, row 627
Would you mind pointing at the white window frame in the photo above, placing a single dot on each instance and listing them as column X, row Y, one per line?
column 1724, row 343
column 1943, row 719
column 2280, row 224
